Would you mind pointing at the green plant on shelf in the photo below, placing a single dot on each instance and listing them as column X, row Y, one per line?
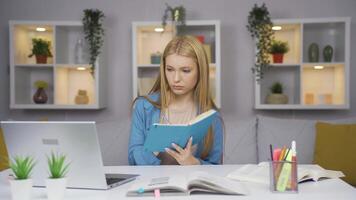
column 278, row 47
column 177, row 15
column 22, row 166
column 41, row 84
column 94, row 33
column 57, row 166
column 260, row 28
column 40, row 47
column 276, row 88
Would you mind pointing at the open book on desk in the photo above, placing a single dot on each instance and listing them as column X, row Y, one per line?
column 161, row 136
column 260, row 173
column 196, row 183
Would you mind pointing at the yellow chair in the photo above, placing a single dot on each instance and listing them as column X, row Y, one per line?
column 3, row 153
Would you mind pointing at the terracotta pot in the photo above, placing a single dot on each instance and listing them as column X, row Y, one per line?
column 40, row 97
column 278, row 58
column 41, row 59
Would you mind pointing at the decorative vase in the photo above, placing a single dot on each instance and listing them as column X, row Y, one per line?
column 40, row 97
column 276, row 99
column 56, row 188
column 41, row 59
column 313, row 52
column 82, row 97
column 278, row 58
column 21, row 189
column 328, row 53
column 79, row 59
column 156, row 58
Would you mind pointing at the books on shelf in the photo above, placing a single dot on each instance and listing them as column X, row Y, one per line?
column 260, row 173
column 161, row 136
column 198, row 182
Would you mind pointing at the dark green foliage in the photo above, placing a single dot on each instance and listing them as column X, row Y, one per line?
column 260, row 27
column 177, row 15
column 276, row 88
column 40, row 47
column 22, row 167
column 94, row 32
column 278, row 47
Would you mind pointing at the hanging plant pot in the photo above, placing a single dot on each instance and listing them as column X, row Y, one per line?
column 40, row 97
column 41, row 59
column 278, row 58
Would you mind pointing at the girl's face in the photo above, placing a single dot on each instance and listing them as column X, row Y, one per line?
column 181, row 73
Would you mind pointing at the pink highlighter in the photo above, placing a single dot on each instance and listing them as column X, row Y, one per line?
column 276, row 154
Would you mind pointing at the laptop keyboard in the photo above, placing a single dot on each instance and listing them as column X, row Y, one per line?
column 110, row 181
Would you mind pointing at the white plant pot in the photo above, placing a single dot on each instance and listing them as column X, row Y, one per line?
column 21, row 189
column 56, row 188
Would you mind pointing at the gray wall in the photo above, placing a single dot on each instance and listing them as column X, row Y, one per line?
column 237, row 58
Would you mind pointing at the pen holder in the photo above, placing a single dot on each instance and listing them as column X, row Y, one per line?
column 283, row 176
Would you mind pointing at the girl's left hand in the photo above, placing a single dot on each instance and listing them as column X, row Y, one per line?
column 184, row 156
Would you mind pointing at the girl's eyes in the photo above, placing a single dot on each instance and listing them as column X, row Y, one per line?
column 186, row 70
column 169, row 69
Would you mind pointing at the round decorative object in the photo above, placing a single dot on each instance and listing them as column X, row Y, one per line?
column 313, row 52
column 40, row 97
column 328, row 53
column 277, row 99
column 82, row 97
column 156, row 58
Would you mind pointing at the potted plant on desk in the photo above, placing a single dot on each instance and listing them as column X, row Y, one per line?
column 56, row 183
column 22, row 183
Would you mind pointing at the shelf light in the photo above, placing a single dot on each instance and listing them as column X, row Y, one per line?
column 318, row 67
column 159, row 29
column 81, row 68
column 40, row 29
column 276, row 28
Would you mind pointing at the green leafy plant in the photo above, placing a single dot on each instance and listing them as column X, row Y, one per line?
column 177, row 15
column 276, row 88
column 94, row 33
column 41, row 84
column 40, row 47
column 56, row 165
column 278, row 47
column 260, row 28
column 22, row 166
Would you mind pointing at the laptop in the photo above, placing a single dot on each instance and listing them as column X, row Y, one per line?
column 77, row 140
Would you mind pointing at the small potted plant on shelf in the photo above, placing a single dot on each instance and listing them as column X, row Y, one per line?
column 278, row 49
column 41, row 50
column 40, row 97
column 56, row 183
column 276, row 96
column 22, row 183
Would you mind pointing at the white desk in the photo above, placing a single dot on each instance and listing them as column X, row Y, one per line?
column 326, row 189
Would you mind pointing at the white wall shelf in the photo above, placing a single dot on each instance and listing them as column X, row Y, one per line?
column 307, row 87
column 145, row 41
column 63, row 75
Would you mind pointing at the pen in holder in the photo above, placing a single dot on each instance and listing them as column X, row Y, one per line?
column 283, row 176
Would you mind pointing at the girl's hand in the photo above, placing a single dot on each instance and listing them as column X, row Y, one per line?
column 184, row 156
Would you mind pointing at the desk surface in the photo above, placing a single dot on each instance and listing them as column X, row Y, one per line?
column 326, row 189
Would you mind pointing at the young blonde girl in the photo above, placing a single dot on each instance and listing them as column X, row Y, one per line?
column 180, row 93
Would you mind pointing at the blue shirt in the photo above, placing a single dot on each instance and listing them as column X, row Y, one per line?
column 144, row 114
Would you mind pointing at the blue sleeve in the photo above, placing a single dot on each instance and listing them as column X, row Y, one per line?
column 136, row 154
column 216, row 152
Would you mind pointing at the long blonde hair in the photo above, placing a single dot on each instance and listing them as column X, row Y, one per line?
column 190, row 47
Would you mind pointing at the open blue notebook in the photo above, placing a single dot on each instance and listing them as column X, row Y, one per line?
column 161, row 136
